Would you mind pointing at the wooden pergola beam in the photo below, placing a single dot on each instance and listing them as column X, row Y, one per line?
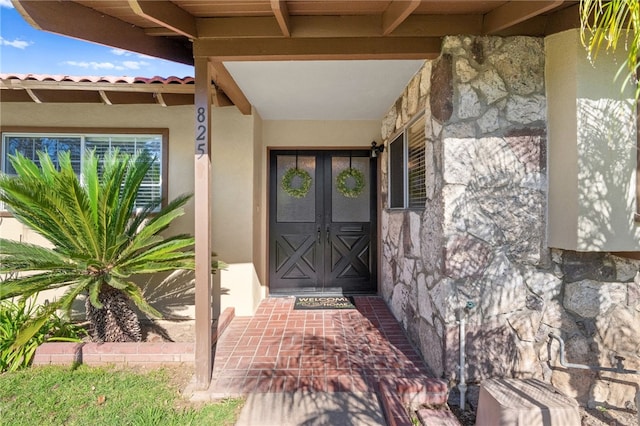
column 167, row 15
column 436, row 25
column 74, row 20
column 220, row 99
column 250, row 27
column 333, row 26
column 515, row 12
column 396, row 13
column 274, row 49
column 281, row 13
column 564, row 19
column 33, row 96
column 228, row 85
column 104, row 97
column 159, row 99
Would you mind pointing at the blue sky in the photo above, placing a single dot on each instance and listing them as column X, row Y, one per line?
column 25, row 50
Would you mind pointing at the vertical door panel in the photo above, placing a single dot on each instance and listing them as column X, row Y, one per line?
column 296, row 263
column 349, row 268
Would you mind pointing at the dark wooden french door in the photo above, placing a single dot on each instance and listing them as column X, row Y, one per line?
column 324, row 241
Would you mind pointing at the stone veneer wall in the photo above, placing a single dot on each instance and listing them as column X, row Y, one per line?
column 480, row 237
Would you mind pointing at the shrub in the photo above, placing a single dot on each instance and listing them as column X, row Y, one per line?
column 14, row 317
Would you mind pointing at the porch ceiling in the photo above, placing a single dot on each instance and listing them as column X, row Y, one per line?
column 253, row 31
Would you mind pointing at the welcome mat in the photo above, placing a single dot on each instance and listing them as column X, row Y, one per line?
column 324, row 302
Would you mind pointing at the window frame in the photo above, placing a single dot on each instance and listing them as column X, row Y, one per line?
column 83, row 132
column 403, row 137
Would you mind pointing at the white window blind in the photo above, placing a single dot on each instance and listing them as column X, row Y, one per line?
column 30, row 143
column 416, row 168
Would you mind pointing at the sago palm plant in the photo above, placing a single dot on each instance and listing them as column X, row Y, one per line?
column 99, row 239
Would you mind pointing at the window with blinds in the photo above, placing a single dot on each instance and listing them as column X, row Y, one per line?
column 407, row 168
column 416, row 185
column 28, row 144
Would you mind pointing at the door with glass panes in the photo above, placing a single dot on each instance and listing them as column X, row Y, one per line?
column 322, row 222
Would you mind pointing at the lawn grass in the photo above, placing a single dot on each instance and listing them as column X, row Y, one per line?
column 104, row 396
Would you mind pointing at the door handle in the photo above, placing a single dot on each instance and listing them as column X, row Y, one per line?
column 328, row 234
column 318, row 234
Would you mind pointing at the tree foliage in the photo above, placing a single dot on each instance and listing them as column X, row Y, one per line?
column 610, row 25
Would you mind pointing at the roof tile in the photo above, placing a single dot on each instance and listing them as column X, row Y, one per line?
column 95, row 79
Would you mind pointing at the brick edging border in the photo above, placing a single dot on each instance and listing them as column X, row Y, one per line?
column 146, row 354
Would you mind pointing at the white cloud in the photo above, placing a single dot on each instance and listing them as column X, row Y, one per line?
column 18, row 44
column 6, row 3
column 94, row 65
column 134, row 65
column 108, row 66
column 119, row 52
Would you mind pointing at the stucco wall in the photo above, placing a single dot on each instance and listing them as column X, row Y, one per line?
column 592, row 147
column 314, row 134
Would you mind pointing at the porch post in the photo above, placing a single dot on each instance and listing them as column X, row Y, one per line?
column 202, row 189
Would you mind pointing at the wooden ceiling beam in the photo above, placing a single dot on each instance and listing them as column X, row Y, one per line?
column 563, row 20
column 396, row 13
column 159, row 32
column 33, row 96
column 274, row 49
column 167, row 15
column 438, row 25
column 336, row 26
column 159, row 99
column 249, row 27
column 226, row 83
column 220, row 99
column 281, row 12
column 77, row 21
column 515, row 12
column 105, row 98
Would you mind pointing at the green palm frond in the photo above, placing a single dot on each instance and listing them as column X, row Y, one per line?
column 610, row 25
column 131, row 177
column 16, row 256
column 135, row 294
column 161, row 250
column 65, row 302
column 149, row 234
column 31, row 284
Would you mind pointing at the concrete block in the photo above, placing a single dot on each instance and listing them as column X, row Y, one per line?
column 530, row 402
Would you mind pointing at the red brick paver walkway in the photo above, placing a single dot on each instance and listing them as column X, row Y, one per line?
column 280, row 349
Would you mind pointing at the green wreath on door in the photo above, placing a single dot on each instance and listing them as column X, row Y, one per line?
column 356, row 187
column 300, row 191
